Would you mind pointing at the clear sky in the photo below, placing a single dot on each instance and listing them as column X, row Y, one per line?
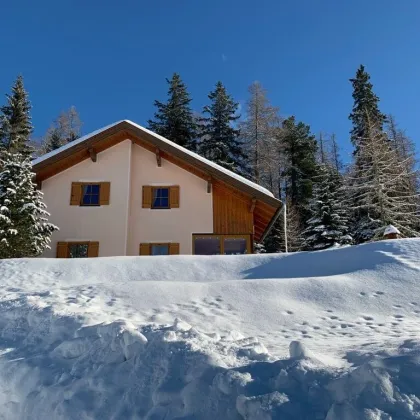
column 110, row 58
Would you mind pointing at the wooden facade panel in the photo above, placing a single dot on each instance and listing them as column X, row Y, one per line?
column 231, row 213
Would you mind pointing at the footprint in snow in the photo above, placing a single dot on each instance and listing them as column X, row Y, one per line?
column 368, row 318
column 289, row 312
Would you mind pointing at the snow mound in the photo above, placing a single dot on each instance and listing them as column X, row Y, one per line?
column 241, row 337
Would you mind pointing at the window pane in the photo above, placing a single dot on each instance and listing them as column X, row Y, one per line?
column 160, row 198
column 234, row 246
column 78, row 250
column 207, row 246
column 94, row 199
column 88, row 189
column 86, row 199
column 160, row 249
column 95, row 189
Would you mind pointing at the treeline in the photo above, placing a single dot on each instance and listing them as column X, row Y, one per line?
column 328, row 203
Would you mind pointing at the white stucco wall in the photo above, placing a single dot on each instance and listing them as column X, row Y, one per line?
column 195, row 214
column 106, row 224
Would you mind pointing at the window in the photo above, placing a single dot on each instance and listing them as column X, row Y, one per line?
column 234, row 246
column 160, row 198
column 90, row 195
column 171, row 248
column 159, row 249
column 207, row 244
column 77, row 249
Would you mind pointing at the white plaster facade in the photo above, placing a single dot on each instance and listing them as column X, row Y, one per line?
column 122, row 225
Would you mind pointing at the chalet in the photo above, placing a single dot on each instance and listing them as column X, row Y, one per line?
column 124, row 190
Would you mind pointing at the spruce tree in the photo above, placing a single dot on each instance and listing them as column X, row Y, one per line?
column 365, row 103
column 220, row 140
column 300, row 149
column 328, row 223
column 174, row 119
column 15, row 121
column 24, row 229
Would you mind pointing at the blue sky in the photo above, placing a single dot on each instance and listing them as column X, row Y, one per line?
column 110, row 59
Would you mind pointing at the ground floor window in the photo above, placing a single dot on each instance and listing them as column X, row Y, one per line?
column 159, row 249
column 85, row 249
column 153, row 248
column 78, row 250
column 207, row 244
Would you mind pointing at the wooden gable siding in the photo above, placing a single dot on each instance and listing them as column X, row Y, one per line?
column 231, row 211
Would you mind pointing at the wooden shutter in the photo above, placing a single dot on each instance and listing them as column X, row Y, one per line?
column 76, row 193
column 174, row 197
column 144, row 249
column 104, row 193
column 93, row 249
column 173, row 249
column 62, row 249
column 147, row 197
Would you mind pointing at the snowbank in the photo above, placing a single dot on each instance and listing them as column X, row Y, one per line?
column 234, row 337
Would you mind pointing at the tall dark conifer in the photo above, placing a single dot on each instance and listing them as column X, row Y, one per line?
column 300, row 148
column 220, row 139
column 174, row 119
column 15, row 121
column 365, row 103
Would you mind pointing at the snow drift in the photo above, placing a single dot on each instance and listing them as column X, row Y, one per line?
column 328, row 335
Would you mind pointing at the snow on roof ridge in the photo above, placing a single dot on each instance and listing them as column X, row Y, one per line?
column 183, row 149
column 204, row 160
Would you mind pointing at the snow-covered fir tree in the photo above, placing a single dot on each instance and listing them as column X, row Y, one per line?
column 175, row 119
column 379, row 188
column 24, row 228
column 219, row 138
column 15, row 121
column 328, row 222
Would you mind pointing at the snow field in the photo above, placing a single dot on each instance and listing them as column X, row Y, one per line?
column 328, row 335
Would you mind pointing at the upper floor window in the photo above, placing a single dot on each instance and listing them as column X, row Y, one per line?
column 160, row 198
column 90, row 194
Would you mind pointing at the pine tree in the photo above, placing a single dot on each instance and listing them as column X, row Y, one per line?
column 174, row 119
column 379, row 188
column 258, row 133
column 300, row 148
column 365, row 103
column 24, row 229
column 220, row 140
column 328, row 224
column 15, row 121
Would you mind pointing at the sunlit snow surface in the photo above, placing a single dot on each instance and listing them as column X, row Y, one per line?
column 326, row 335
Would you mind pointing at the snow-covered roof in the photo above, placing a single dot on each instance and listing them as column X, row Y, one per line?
column 164, row 140
column 72, row 144
column 390, row 229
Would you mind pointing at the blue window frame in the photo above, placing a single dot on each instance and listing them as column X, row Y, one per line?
column 160, row 198
column 90, row 194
